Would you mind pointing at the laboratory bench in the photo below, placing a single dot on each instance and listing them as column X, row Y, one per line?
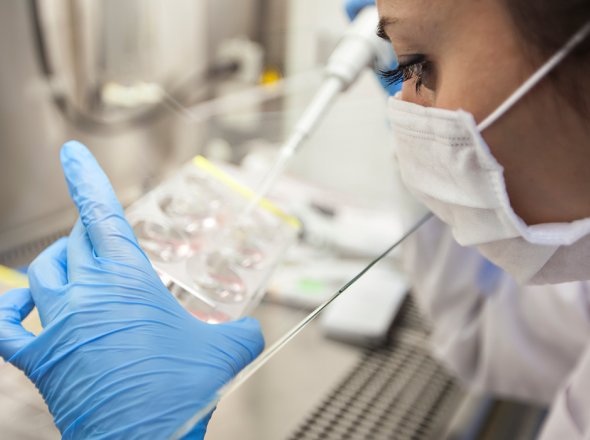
column 316, row 388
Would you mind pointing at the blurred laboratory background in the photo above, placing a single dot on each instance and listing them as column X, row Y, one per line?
column 149, row 84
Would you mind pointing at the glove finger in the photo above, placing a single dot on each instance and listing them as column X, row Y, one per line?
column 48, row 275
column 50, row 268
column 247, row 338
column 353, row 7
column 80, row 253
column 15, row 305
column 102, row 215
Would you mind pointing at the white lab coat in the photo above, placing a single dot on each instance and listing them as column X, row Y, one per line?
column 530, row 342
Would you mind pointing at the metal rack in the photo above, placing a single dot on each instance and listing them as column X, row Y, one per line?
column 27, row 252
column 397, row 391
column 400, row 392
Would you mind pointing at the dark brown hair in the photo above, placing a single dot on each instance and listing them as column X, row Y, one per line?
column 545, row 26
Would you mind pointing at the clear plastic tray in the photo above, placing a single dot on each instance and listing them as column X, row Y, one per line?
column 194, row 232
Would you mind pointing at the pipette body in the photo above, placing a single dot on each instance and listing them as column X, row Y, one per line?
column 360, row 47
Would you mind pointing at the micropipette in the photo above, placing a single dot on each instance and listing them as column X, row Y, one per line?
column 359, row 48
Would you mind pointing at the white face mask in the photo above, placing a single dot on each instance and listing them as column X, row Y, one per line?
column 447, row 165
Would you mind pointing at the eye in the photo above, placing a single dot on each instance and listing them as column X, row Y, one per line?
column 416, row 67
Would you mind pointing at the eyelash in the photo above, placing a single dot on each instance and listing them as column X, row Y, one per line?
column 403, row 73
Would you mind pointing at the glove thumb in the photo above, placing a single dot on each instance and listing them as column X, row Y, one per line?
column 247, row 339
column 15, row 305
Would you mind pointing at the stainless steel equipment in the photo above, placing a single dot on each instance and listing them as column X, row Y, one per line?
column 106, row 73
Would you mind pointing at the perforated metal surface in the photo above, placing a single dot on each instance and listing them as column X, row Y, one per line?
column 395, row 392
column 27, row 252
column 409, row 318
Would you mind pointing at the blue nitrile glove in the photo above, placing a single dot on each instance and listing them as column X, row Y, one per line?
column 118, row 357
column 353, row 7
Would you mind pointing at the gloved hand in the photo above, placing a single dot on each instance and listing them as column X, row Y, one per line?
column 118, row 357
column 353, row 7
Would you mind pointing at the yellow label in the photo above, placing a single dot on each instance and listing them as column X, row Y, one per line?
column 204, row 164
column 13, row 278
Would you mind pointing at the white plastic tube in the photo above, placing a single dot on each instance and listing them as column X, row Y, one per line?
column 358, row 49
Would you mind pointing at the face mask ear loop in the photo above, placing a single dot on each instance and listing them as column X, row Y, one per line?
column 537, row 76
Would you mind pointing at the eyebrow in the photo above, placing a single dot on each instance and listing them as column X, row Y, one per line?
column 383, row 22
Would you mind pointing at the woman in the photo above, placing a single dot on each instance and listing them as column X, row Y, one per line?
column 518, row 195
column 119, row 358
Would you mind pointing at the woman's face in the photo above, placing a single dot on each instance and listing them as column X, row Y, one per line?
column 472, row 58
